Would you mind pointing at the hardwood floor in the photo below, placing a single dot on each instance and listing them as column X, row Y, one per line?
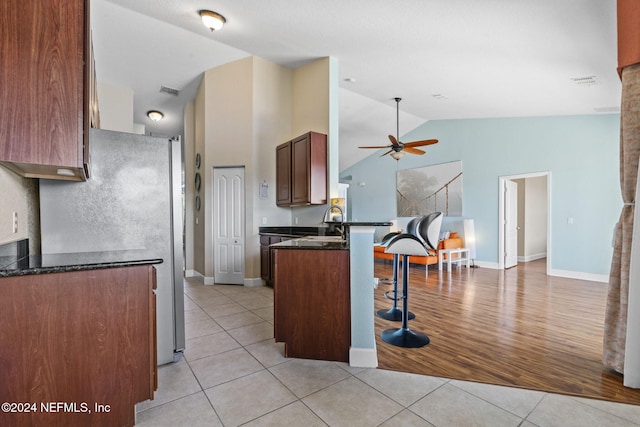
column 517, row 327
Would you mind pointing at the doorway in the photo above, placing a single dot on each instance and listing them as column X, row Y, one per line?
column 228, row 225
column 525, row 219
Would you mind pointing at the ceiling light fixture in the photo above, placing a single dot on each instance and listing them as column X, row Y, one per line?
column 212, row 20
column 155, row 115
column 397, row 155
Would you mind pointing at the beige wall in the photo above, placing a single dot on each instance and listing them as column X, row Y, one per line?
column 198, row 218
column 188, row 140
column 243, row 110
column 19, row 195
column 315, row 108
column 116, row 108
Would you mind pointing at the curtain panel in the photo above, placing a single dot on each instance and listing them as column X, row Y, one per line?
column 620, row 309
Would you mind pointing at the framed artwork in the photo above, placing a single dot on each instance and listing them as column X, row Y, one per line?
column 436, row 188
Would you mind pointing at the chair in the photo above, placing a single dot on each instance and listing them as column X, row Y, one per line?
column 394, row 313
column 427, row 230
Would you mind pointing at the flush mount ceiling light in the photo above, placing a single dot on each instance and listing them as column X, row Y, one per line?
column 212, row 20
column 154, row 115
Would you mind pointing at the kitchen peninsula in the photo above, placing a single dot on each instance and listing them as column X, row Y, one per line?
column 323, row 296
column 77, row 330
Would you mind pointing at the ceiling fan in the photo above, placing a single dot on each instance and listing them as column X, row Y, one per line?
column 397, row 148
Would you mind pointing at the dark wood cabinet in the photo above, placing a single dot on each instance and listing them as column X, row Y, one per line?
column 301, row 171
column 312, row 304
column 79, row 337
column 283, row 174
column 45, row 56
column 266, row 256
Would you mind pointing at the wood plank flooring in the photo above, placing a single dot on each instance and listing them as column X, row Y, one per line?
column 517, row 327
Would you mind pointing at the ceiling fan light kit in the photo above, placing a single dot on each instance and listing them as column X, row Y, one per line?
column 397, row 148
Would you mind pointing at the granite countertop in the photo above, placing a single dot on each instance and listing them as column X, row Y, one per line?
column 60, row 263
column 297, row 231
column 311, row 243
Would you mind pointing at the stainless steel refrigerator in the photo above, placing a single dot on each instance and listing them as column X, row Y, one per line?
column 133, row 200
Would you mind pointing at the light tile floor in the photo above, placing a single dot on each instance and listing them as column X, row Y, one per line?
column 233, row 373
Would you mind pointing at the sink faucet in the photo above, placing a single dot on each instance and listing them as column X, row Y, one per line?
column 332, row 223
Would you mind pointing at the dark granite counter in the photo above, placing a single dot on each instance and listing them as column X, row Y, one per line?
column 59, row 263
column 311, row 243
column 298, row 231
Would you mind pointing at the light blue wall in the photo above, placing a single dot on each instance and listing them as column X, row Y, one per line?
column 581, row 152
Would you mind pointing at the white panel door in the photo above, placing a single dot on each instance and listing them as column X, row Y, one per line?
column 510, row 224
column 228, row 225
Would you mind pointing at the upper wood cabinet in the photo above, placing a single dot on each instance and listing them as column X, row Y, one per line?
column 301, row 171
column 45, row 88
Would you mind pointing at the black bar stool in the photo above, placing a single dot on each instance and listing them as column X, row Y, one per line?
column 427, row 230
column 405, row 245
column 394, row 313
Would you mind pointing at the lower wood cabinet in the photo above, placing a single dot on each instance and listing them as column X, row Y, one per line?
column 266, row 257
column 312, row 303
column 80, row 346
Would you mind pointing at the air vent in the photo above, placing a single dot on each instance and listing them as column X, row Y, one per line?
column 439, row 96
column 585, row 81
column 169, row 90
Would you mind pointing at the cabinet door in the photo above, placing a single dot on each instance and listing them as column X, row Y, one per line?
column 300, row 170
column 283, row 174
column 42, row 76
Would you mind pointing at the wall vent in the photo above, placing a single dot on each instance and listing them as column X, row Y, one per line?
column 585, row 81
column 169, row 90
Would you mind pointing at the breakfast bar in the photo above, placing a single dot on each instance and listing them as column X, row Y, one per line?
column 326, row 312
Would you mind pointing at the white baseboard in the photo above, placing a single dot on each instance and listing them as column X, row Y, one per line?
column 532, row 257
column 252, row 282
column 191, row 273
column 485, row 264
column 363, row 357
column 604, row 278
column 209, row 280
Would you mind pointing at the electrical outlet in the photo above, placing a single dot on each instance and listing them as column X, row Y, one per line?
column 15, row 222
column 264, row 220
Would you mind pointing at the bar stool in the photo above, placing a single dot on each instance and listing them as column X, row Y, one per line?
column 421, row 239
column 394, row 313
column 406, row 245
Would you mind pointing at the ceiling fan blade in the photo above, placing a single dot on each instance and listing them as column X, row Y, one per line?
column 374, row 146
column 412, row 150
column 386, row 153
column 421, row 143
column 394, row 141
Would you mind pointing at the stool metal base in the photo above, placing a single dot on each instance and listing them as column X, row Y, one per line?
column 394, row 314
column 404, row 337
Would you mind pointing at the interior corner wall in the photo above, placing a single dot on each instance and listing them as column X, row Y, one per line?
column 198, row 221
column 115, row 104
column 19, row 195
column 189, row 145
column 272, row 89
column 315, row 108
column 582, row 153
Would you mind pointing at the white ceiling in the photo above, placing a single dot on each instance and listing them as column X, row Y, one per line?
column 447, row 59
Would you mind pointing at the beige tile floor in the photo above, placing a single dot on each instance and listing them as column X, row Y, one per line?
column 233, row 373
